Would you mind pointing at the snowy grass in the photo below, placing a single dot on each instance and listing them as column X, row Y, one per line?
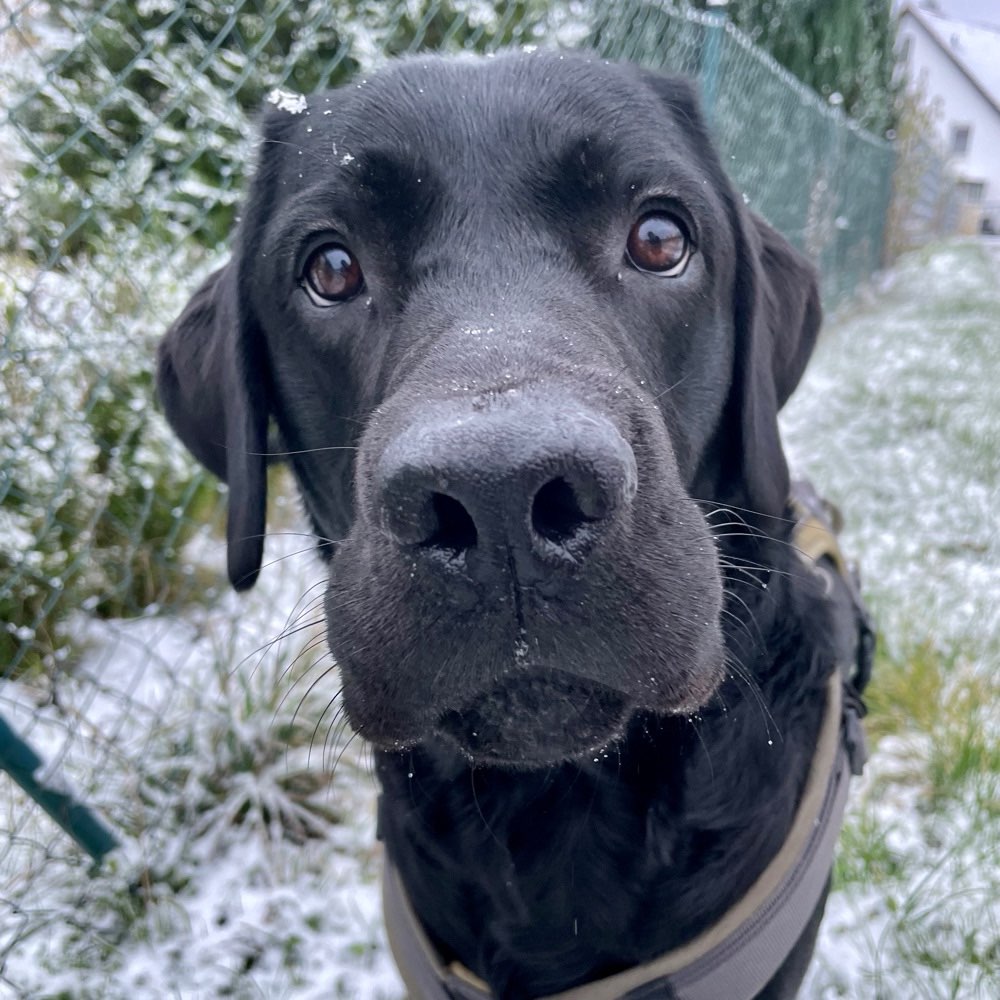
column 249, row 865
column 899, row 421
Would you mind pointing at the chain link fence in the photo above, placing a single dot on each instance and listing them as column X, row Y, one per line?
column 131, row 680
column 925, row 202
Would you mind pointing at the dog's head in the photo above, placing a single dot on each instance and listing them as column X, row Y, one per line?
column 515, row 329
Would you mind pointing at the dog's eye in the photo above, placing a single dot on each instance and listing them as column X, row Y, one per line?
column 659, row 244
column 332, row 274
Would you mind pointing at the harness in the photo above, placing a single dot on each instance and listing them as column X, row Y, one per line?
column 740, row 953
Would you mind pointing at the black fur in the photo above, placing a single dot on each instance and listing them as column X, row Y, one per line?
column 528, row 668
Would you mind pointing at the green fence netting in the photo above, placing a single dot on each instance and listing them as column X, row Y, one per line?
column 125, row 141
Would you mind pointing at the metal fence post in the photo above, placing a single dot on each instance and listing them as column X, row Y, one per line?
column 24, row 765
column 711, row 57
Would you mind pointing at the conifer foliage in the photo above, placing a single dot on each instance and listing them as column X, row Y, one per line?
column 837, row 47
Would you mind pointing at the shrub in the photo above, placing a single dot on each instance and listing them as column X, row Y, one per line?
column 96, row 495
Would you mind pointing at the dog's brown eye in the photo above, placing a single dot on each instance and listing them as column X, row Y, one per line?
column 332, row 274
column 657, row 243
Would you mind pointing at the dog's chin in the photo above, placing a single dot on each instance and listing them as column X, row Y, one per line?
column 545, row 718
column 551, row 717
column 539, row 718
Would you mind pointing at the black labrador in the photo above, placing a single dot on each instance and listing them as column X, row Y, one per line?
column 525, row 348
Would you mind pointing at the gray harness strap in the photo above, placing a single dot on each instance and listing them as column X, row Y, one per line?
column 425, row 976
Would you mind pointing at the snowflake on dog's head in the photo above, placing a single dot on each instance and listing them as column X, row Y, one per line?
column 287, row 100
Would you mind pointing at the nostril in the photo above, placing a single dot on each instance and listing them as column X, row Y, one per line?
column 512, row 488
column 454, row 528
column 556, row 514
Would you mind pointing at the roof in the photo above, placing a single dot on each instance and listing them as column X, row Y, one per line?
column 973, row 48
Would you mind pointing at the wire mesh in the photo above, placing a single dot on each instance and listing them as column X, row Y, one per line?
column 124, row 145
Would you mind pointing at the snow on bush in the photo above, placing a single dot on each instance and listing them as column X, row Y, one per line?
column 96, row 494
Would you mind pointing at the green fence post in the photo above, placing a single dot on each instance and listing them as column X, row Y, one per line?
column 23, row 765
column 711, row 58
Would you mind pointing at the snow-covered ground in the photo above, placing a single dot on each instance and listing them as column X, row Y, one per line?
column 248, row 866
column 898, row 421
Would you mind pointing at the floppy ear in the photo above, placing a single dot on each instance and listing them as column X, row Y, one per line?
column 212, row 390
column 792, row 312
column 777, row 315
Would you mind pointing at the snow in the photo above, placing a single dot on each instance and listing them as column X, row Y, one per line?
column 900, row 419
column 285, row 100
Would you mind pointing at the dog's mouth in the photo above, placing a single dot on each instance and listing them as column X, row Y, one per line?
column 545, row 717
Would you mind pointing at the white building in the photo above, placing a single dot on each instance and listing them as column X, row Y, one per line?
column 955, row 65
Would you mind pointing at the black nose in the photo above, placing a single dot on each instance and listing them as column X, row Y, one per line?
column 525, row 480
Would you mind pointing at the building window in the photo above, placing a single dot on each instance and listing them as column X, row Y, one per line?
column 971, row 192
column 960, row 138
column 904, row 49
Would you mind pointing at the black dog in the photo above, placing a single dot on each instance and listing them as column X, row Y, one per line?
column 526, row 349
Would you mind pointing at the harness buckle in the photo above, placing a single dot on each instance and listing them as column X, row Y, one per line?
column 855, row 740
